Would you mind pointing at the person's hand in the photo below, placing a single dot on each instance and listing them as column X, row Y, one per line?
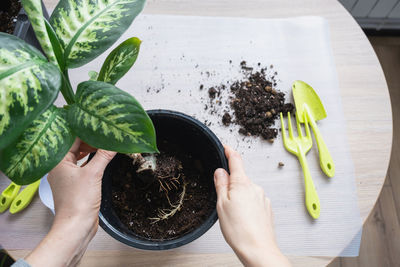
column 245, row 216
column 77, row 190
column 77, row 197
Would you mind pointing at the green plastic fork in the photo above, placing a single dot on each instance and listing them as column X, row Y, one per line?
column 299, row 146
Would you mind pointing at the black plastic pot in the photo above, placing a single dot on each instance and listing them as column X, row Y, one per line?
column 23, row 28
column 188, row 133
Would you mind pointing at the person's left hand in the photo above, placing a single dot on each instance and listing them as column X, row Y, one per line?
column 77, row 190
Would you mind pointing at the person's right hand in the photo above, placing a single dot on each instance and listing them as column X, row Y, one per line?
column 77, row 197
column 245, row 216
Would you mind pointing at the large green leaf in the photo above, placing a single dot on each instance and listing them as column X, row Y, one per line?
column 86, row 28
column 39, row 149
column 57, row 49
column 106, row 117
column 34, row 11
column 29, row 84
column 119, row 61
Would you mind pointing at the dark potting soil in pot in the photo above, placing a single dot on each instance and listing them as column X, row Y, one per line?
column 140, row 205
column 9, row 10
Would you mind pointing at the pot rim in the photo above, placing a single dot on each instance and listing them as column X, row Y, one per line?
column 196, row 233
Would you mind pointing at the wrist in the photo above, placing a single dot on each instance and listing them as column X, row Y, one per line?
column 78, row 222
column 262, row 255
column 75, row 230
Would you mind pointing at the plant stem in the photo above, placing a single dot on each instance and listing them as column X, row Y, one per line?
column 66, row 89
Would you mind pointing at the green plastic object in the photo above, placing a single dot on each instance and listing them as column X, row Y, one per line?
column 308, row 105
column 8, row 195
column 299, row 146
column 24, row 197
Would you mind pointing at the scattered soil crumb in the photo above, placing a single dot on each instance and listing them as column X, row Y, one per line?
column 212, row 92
column 226, row 119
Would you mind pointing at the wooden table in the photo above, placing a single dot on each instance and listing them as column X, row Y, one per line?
column 365, row 99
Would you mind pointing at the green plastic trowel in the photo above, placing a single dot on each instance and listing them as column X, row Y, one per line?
column 15, row 200
column 8, row 195
column 308, row 104
column 25, row 197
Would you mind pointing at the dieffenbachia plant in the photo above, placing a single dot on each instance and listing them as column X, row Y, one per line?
column 34, row 134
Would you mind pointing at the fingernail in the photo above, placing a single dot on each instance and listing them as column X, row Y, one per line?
column 218, row 173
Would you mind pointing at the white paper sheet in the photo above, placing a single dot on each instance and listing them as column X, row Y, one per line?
column 174, row 52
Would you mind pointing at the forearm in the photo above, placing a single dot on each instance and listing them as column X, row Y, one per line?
column 64, row 245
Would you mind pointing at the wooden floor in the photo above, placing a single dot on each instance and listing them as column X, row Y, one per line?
column 380, row 245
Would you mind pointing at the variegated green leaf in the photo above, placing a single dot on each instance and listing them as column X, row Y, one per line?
column 86, row 28
column 119, row 61
column 106, row 117
column 55, row 43
column 39, row 149
column 29, row 84
column 34, row 11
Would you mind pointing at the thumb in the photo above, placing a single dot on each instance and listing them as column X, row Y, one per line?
column 101, row 159
column 221, row 181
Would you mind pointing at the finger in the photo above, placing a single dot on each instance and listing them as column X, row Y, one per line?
column 235, row 165
column 269, row 210
column 75, row 146
column 267, row 202
column 259, row 190
column 221, row 181
column 100, row 160
column 84, row 164
column 268, row 207
column 73, row 152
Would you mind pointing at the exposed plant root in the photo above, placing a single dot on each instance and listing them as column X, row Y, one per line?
column 166, row 183
column 164, row 214
column 168, row 173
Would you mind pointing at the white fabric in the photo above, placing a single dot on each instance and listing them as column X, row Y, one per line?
column 299, row 48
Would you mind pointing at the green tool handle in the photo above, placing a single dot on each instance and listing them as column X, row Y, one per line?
column 311, row 196
column 8, row 196
column 24, row 198
column 325, row 159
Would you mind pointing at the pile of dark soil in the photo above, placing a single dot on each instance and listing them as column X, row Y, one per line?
column 9, row 10
column 138, row 204
column 254, row 104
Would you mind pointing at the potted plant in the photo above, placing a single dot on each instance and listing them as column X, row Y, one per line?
column 172, row 204
column 36, row 135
